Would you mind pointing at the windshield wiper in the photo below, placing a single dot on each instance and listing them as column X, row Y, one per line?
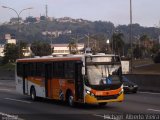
column 102, row 71
column 108, row 70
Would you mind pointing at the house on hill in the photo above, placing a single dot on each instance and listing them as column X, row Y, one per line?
column 63, row 49
column 9, row 38
column 2, row 44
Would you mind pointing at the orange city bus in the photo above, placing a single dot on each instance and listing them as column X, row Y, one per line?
column 76, row 78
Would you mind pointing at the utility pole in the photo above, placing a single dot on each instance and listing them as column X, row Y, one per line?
column 18, row 16
column 52, row 37
column 88, row 49
column 131, row 35
column 112, row 39
column 88, row 40
column 46, row 23
column 159, row 33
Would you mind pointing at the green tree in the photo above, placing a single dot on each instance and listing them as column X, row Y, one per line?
column 137, row 52
column 155, row 49
column 22, row 47
column 144, row 38
column 40, row 48
column 98, row 43
column 73, row 47
column 118, row 43
column 145, row 41
column 10, row 53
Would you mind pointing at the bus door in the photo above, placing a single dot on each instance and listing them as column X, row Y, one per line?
column 24, row 77
column 48, row 80
column 79, row 86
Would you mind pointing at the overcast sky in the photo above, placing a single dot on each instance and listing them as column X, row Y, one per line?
column 145, row 12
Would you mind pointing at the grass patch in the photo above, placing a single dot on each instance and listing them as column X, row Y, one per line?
column 148, row 69
column 139, row 62
column 8, row 66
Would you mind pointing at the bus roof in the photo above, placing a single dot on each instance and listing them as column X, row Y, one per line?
column 61, row 58
column 45, row 59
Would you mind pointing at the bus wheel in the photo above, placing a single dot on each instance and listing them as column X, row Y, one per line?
column 102, row 104
column 33, row 94
column 70, row 100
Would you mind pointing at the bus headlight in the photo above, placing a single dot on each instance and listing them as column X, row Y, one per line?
column 89, row 92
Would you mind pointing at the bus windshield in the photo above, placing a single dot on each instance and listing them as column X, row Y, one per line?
column 103, row 74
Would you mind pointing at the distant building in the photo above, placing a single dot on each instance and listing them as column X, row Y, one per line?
column 148, row 43
column 51, row 18
column 56, row 33
column 31, row 19
column 63, row 49
column 65, row 19
column 10, row 38
column 38, row 19
column 27, row 51
column 1, row 50
column 70, row 20
column 67, row 32
column 2, row 44
column 15, row 20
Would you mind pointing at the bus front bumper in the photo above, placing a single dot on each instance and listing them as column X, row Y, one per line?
column 100, row 99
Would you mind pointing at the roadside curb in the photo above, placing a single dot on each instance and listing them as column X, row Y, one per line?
column 7, row 79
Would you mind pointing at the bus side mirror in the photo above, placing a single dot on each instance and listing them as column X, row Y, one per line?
column 83, row 70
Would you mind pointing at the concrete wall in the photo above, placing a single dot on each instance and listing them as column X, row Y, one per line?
column 146, row 82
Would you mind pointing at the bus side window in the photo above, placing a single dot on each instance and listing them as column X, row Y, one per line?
column 40, row 69
column 61, row 69
column 58, row 70
column 54, row 70
column 47, row 70
column 43, row 70
column 25, row 69
column 19, row 69
column 69, row 69
column 32, row 69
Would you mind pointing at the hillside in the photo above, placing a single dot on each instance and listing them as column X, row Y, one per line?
column 33, row 31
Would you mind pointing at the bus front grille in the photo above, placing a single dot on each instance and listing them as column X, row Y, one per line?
column 107, row 97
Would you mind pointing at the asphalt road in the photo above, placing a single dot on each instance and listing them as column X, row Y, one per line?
column 13, row 106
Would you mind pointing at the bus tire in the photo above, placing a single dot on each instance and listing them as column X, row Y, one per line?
column 33, row 94
column 70, row 99
column 102, row 104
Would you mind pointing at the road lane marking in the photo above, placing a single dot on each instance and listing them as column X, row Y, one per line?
column 17, row 100
column 5, row 90
column 106, row 117
column 137, row 66
column 9, row 117
column 154, row 110
column 150, row 93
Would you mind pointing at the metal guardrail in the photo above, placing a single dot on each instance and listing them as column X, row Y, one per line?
column 146, row 82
